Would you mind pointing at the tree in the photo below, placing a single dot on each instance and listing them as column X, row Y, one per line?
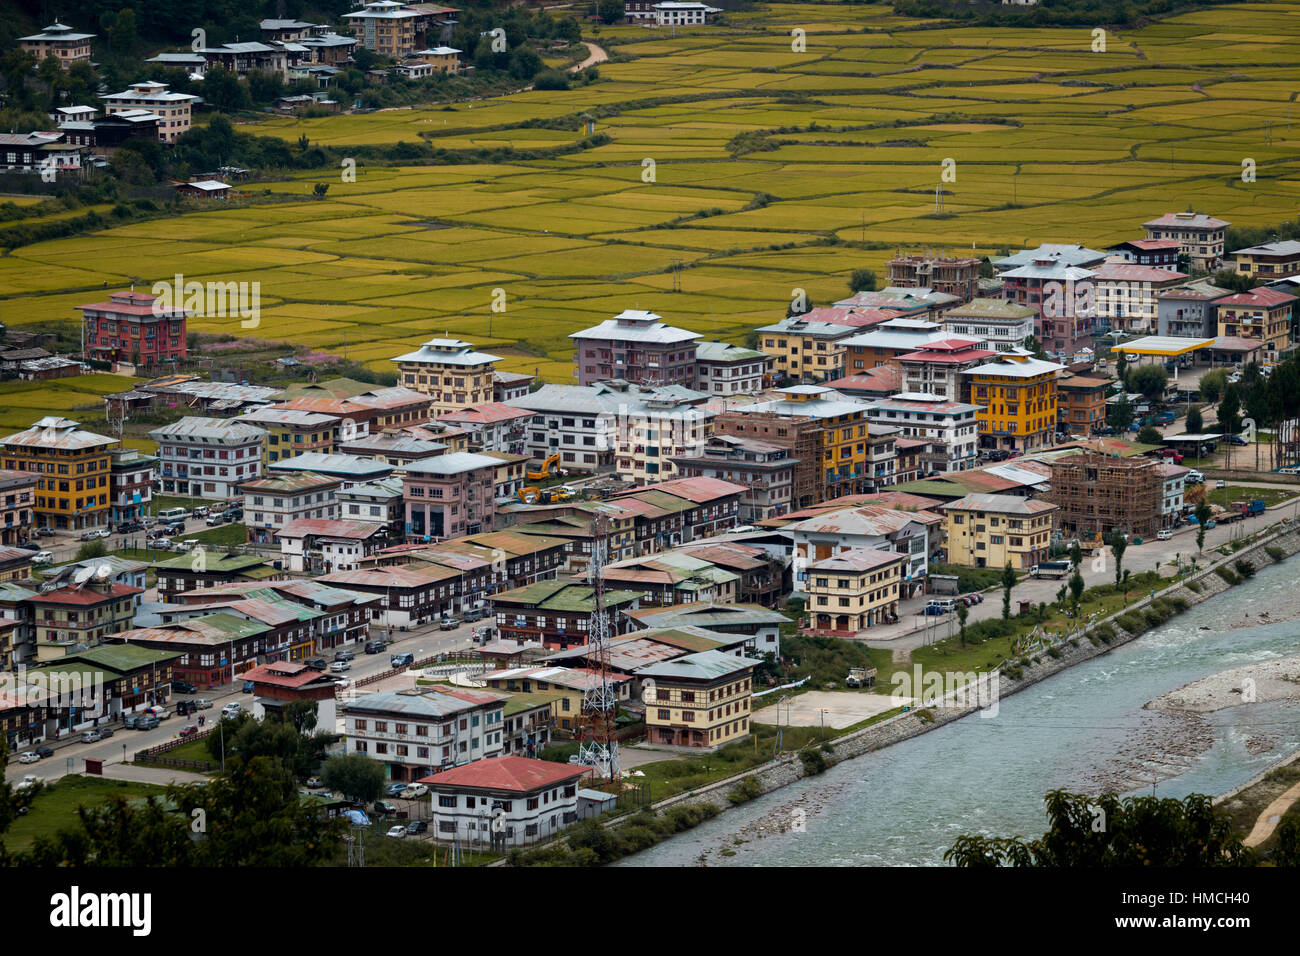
column 610, row 11
column 355, row 776
column 1150, row 435
column 320, row 189
column 963, row 612
column 223, row 91
column 1121, row 366
column 986, row 268
column 1202, row 516
column 1230, row 410
column 1008, row 582
column 1194, row 423
column 301, row 715
column 1035, row 347
column 525, row 63
column 91, row 549
column 862, row 280
column 1120, row 415
column 1076, row 554
column 1107, row 831
column 1212, row 385
column 1150, row 380
column 1118, row 545
column 1076, row 589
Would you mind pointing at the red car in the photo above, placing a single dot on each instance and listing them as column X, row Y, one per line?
column 189, row 730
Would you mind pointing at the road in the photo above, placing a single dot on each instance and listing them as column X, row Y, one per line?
column 70, row 753
column 595, row 55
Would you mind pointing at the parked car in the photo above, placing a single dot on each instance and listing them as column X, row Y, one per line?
column 316, row 663
column 232, row 709
column 200, row 512
column 1236, row 440
column 202, row 704
column 1289, row 470
column 158, row 711
column 1220, row 483
column 105, row 733
column 183, row 687
column 247, row 688
column 189, row 730
column 396, row 832
column 394, row 789
column 29, row 780
column 214, row 519
column 384, row 807
column 417, row 826
column 91, row 736
column 184, row 708
column 30, row 546
column 1164, row 534
column 345, row 655
column 415, row 790
column 402, row 660
column 130, row 721
column 43, row 557
column 87, row 535
column 1194, row 477
column 29, row 757
column 448, row 624
column 103, row 533
column 935, row 609
column 45, row 750
column 146, row 722
column 375, row 647
column 127, row 527
column 45, row 532
column 339, row 667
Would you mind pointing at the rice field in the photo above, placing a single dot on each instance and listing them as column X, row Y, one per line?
column 741, row 165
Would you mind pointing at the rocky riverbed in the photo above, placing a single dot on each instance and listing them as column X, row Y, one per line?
column 1257, row 683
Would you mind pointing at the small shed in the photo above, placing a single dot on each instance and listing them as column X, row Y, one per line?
column 592, row 803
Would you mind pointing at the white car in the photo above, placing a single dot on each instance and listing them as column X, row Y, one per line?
column 414, row 790
column 1288, row 470
column 31, row 780
column 1164, row 534
column 29, row 757
column 396, row 833
column 43, row 557
column 341, row 666
column 230, row 710
column 104, row 533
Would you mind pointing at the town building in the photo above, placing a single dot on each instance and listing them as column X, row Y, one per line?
column 957, row 276
column 1125, row 295
column 569, row 684
column 273, row 502
column 372, row 409
column 397, row 29
column 1017, row 397
column 449, row 495
column 805, row 351
column 924, row 304
column 528, row 721
column 725, row 369
column 1098, row 494
column 452, row 372
column 1200, row 237
column 951, row 427
column 638, row 347
column 394, row 447
column 17, row 504
column 134, row 327
column 197, row 570
column 79, row 616
column 348, row 469
column 172, row 109
column 280, row 683
column 681, row 510
column 990, row 531
column 379, row 502
column 913, row 534
column 1158, row 253
column 1081, row 403
column 1065, row 254
column 673, row 577
column 853, row 591
column 510, row 477
column 507, row 386
column 937, row 367
column 1188, row 310
column 868, row 384
column 765, row 470
column 1063, row 296
column 800, row 435
column 407, row 597
column 207, row 457
column 116, row 680
column 214, row 648
column 416, row 733
column 698, row 701
column 504, row 802
column 59, row 41
column 290, row 432
column 492, row 426
column 322, row 545
column 1270, row 260
column 883, row 344
column 557, row 614
column 73, row 490
column 131, row 483
column 1175, row 482
column 242, row 58
column 1263, row 314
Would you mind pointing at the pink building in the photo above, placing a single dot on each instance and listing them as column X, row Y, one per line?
column 635, row 345
column 449, row 496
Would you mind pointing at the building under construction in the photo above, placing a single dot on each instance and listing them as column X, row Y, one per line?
column 951, row 275
column 800, row 434
column 1098, row 494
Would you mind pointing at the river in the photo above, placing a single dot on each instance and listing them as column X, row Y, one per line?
column 904, row 805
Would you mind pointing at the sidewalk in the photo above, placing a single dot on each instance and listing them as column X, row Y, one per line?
column 160, row 776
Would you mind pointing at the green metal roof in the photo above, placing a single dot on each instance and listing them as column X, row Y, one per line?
column 215, row 562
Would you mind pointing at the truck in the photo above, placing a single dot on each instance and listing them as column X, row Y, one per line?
column 1050, row 569
column 861, row 677
column 1164, row 418
column 1249, row 508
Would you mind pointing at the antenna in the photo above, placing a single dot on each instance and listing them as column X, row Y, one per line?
column 598, row 748
column 103, row 571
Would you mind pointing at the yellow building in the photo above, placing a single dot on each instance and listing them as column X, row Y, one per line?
column 805, row 351
column 700, row 701
column 292, row 432
column 443, row 59
column 987, row 531
column 78, row 616
column 568, row 685
column 841, row 437
column 1018, row 395
column 451, row 372
column 853, row 591
column 73, row 490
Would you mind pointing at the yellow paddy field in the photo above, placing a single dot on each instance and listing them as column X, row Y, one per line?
column 746, row 166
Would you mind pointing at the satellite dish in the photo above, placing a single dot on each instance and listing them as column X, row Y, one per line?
column 103, row 571
column 82, row 575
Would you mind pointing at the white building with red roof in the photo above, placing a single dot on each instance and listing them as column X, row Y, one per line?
column 1263, row 315
column 936, row 367
column 328, row 544
column 504, row 801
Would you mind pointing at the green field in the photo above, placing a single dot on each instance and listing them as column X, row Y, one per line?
column 56, row 808
column 774, row 170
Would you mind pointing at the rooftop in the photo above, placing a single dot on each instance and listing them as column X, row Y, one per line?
column 510, row 774
column 704, row 665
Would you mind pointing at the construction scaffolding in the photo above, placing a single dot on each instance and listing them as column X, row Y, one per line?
column 801, row 434
column 1098, row 494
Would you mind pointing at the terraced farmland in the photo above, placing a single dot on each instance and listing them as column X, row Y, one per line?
column 748, row 167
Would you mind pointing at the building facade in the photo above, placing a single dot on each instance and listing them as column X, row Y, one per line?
column 133, row 327
column 1200, row 237
column 990, row 531
column 74, row 468
column 853, row 591
column 1018, row 398
column 452, row 372
column 207, row 457
column 449, row 495
column 698, row 701
column 636, row 346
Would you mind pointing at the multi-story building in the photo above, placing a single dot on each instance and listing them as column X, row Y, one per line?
column 570, row 684
column 1063, row 295
column 183, row 574
column 242, row 58
column 1174, row 478
column 998, row 324
column 207, row 457
column 59, row 41
column 990, row 531
column 1262, row 314
column 452, row 372
column 394, row 448
column 507, row 386
column 78, row 616
column 323, row 545
column 172, row 109
column 348, row 469
column 765, row 470
column 1125, row 295
column 841, row 453
column 557, row 614
column 492, row 426
column 740, row 628
column 134, row 327
column 418, row 732
column 131, row 483
column 397, row 29
column 950, row 427
column 504, row 802
column 17, row 504
column 1017, row 397
column 449, row 496
column 1189, row 310
column 275, row 501
column 1098, row 494
column 1081, row 403
column 214, row 648
column 805, row 351
column 638, row 347
column 72, row 492
column 936, row 367
column 951, row 275
column 1160, row 253
column 371, row 411
column 853, row 591
column 919, row 303
column 1200, row 237
column 1271, row 260
column 683, row 13
column 290, row 432
column 1070, row 254
column 379, row 502
column 913, row 534
column 801, row 437
column 697, row 701
column 725, row 369
column 884, row 343
column 511, row 471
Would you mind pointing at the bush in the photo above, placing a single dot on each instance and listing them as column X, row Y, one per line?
column 814, row 761
column 1227, row 575
column 1194, row 587
column 1244, row 568
column 551, row 80
column 1055, row 652
column 1274, row 552
column 1012, row 671
column 1131, row 622
column 745, row 790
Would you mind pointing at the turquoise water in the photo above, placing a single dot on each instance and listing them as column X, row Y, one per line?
column 904, row 805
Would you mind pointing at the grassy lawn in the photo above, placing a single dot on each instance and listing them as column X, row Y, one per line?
column 1225, row 496
column 56, row 807
column 162, row 502
column 970, row 579
column 223, row 535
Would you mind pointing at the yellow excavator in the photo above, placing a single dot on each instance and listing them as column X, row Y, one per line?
column 539, row 496
column 545, row 471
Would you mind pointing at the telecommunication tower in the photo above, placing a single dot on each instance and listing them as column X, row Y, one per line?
column 597, row 747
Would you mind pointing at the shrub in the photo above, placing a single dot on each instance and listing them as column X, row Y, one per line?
column 1055, row 652
column 551, row 80
column 745, row 790
column 1153, row 616
column 1274, row 552
column 925, row 716
column 1012, row 671
column 1194, row 587
column 1227, row 575
column 1131, row 622
column 813, row 760
column 1244, row 568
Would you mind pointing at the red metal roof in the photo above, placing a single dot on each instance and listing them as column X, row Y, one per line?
column 77, row 594
column 1261, row 297
column 513, row 774
column 486, row 413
